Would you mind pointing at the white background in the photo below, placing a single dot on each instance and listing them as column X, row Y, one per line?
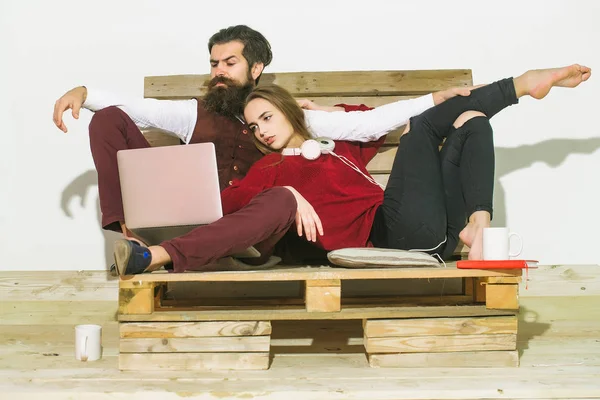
column 547, row 152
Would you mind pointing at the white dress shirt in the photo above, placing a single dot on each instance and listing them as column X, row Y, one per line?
column 178, row 117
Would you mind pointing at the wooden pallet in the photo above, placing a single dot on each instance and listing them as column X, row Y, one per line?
column 476, row 327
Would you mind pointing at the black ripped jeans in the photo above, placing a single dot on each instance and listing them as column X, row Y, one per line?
column 431, row 192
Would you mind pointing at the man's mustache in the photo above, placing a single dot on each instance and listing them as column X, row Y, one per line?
column 221, row 79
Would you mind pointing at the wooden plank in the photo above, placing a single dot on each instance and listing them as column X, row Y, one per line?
column 323, row 295
column 301, row 273
column 158, row 138
column 435, row 344
column 562, row 280
column 383, row 161
column 237, row 344
column 57, row 286
column 193, row 361
column 441, row 326
column 194, row 329
column 136, row 297
column 344, row 83
column 468, row 359
column 245, row 303
column 502, row 296
column 300, row 313
column 57, row 312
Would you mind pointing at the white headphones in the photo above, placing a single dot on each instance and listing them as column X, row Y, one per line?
column 311, row 149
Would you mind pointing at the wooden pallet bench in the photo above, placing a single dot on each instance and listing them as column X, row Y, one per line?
column 474, row 327
column 477, row 327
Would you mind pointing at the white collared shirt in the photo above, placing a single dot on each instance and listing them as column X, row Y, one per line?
column 178, row 117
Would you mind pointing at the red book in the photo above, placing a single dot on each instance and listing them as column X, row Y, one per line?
column 495, row 264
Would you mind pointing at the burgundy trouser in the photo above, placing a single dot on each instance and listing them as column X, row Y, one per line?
column 262, row 223
column 112, row 130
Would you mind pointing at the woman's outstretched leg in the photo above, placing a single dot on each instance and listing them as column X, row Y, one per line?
column 491, row 99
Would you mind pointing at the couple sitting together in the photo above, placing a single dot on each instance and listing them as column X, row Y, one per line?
column 276, row 180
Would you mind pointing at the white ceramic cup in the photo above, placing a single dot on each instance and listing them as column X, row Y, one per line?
column 496, row 244
column 88, row 342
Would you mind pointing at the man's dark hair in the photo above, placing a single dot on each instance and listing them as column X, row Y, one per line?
column 256, row 46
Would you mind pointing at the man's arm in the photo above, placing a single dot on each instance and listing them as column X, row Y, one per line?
column 365, row 126
column 177, row 117
column 359, row 123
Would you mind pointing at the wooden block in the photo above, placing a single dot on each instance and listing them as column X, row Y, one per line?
column 136, row 297
column 438, row 344
column 193, row 361
column 323, row 295
column 505, row 297
column 502, row 279
column 242, row 344
column 470, row 359
column 194, row 329
column 441, row 326
column 469, row 287
column 480, row 291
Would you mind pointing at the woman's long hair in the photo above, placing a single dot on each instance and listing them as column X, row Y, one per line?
column 284, row 102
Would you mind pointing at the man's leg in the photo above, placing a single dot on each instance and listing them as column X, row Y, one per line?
column 112, row 130
column 261, row 223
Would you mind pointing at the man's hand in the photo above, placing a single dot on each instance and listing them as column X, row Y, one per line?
column 73, row 100
column 443, row 95
column 311, row 105
column 306, row 217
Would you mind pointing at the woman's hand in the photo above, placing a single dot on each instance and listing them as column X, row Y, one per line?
column 306, row 217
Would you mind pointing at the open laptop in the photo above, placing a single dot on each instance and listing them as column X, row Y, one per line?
column 168, row 191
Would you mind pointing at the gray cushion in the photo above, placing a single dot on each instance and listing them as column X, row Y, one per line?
column 371, row 257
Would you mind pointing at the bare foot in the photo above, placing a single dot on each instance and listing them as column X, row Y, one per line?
column 540, row 81
column 472, row 236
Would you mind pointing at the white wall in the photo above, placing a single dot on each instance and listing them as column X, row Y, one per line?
column 546, row 162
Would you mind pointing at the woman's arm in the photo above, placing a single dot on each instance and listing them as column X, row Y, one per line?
column 176, row 117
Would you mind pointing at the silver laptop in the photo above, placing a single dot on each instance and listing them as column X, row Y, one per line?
column 168, row 191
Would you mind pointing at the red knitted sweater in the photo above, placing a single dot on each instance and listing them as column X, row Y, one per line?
column 344, row 200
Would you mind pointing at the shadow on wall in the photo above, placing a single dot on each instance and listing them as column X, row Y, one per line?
column 80, row 188
column 552, row 152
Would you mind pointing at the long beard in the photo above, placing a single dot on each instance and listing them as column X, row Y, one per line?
column 227, row 100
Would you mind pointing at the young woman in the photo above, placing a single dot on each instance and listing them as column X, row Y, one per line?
column 430, row 194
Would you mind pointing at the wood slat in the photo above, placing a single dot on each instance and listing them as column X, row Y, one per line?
column 345, row 83
column 300, row 313
column 57, row 286
column 193, row 361
column 441, row 326
column 194, row 329
column 241, row 344
column 469, row 359
column 435, row 344
column 245, row 303
column 383, row 160
column 302, row 273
